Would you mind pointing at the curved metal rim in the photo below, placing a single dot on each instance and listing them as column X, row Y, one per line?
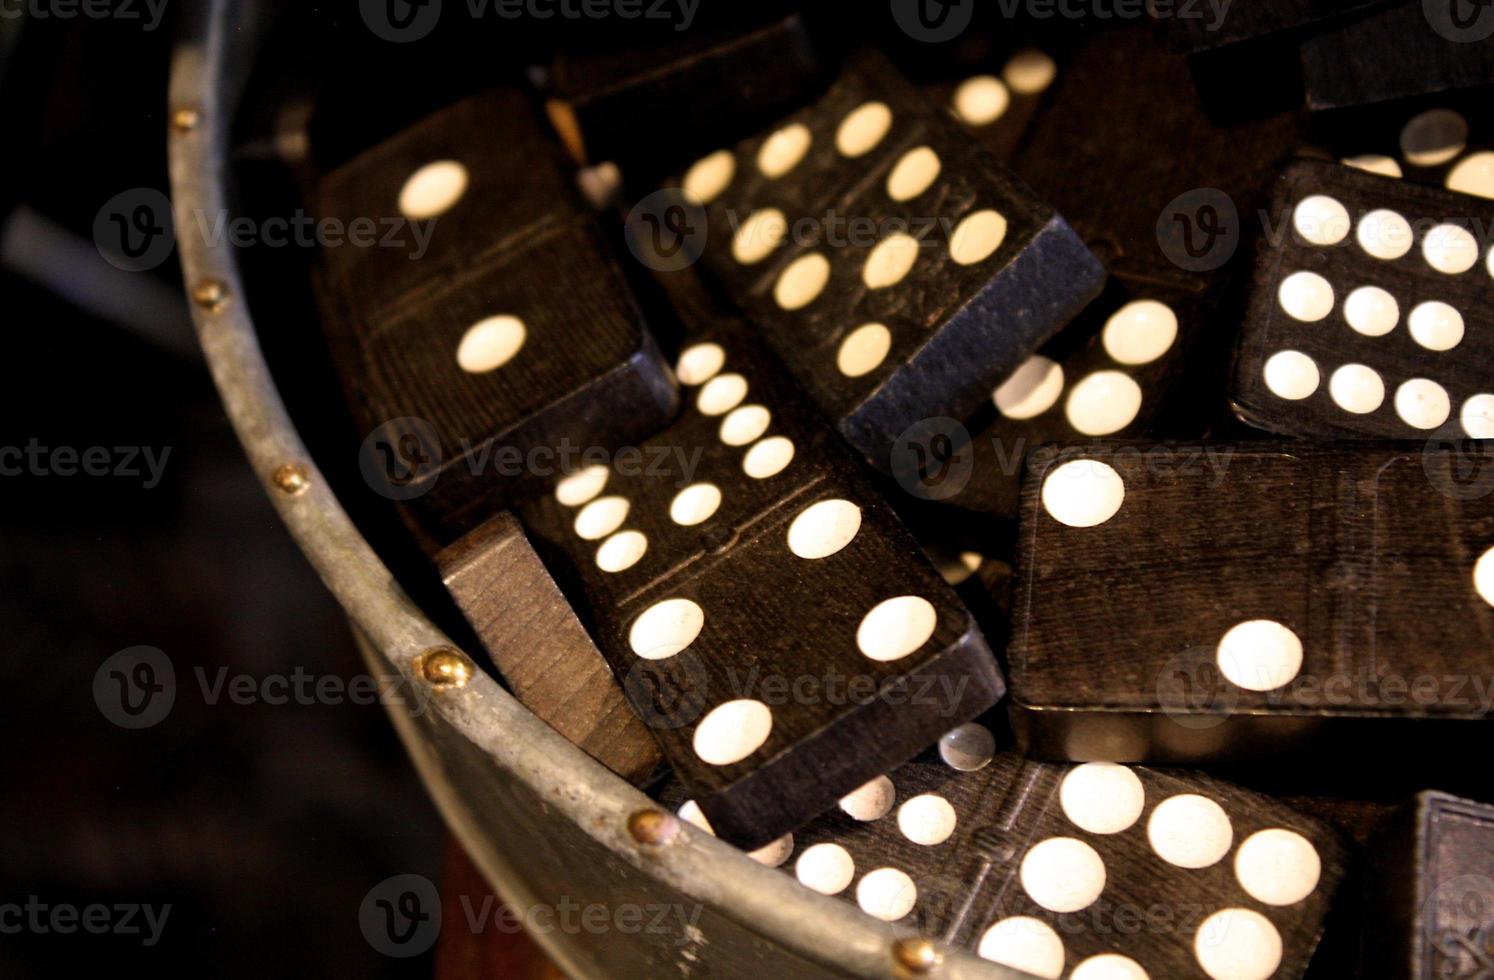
column 820, row 929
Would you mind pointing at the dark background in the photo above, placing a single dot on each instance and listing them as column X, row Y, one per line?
column 262, row 826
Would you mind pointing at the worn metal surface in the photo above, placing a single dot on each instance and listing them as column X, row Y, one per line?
column 543, row 821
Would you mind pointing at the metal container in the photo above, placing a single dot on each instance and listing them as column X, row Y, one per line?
column 546, row 825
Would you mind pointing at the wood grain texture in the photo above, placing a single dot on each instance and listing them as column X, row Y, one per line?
column 955, row 328
column 1406, row 49
column 1093, row 151
column 1098, row 154
column 1396, row 357
column 496, row 946
column 515, row 243
column 1148, row 909
column 1368, row 557
column 778, row 628
column 646, row 108
column 1430, row 892
column 550, row 663
column 1202, row 26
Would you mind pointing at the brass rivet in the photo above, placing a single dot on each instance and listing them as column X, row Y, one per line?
column 915, row 956
column 185, row 119
column 444, row 668
column 291, row 478
column 210, row 294
column 653, row 827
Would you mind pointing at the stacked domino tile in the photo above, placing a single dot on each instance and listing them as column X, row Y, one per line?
column 1315, row 268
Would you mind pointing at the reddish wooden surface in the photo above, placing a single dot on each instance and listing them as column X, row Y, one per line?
column 488, row 952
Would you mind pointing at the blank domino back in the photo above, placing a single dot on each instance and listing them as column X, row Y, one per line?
column 1371, row 316
column 1235, row 600
column 534, row 637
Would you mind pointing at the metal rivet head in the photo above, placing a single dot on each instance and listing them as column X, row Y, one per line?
column 915, row 956
column 444, row 668
column 210, row 294
column 291, row 478
column 185, row 119
column 653, row 827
